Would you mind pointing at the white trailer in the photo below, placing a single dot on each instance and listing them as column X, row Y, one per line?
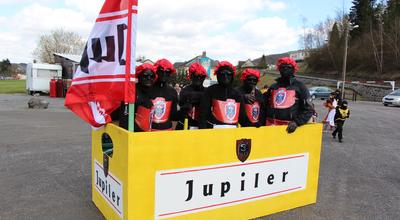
column 38, row 76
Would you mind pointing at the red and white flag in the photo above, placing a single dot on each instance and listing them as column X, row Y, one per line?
column 106, row 74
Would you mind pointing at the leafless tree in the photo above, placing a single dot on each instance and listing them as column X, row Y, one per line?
column 378, row 55
column 392, row 37
column 58, row 41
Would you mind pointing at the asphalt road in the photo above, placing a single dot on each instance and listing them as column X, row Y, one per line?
column 45, row 165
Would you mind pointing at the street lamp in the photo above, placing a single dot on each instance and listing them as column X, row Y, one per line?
column 346, row 43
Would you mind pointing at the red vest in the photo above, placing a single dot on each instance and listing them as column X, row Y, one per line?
column 226, row 111
column 161, row 110
column 282, row 98
column 143, row 118
column 252, row 112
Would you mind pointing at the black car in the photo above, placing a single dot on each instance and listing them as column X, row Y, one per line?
column 321, row 92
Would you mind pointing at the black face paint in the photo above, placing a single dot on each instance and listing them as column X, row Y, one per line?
column 163, row 75
column 250, row 82
column 286, row 71
column 197, row 80
column 225, row 77
column 147, row 78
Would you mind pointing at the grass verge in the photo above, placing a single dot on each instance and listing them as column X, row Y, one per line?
column 12, row 86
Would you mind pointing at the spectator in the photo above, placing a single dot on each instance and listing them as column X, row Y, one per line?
column 342, row 113
column 329, row 120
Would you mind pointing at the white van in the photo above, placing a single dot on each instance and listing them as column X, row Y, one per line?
column 38, row 76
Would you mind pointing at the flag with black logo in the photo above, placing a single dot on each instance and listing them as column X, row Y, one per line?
column 106, row 74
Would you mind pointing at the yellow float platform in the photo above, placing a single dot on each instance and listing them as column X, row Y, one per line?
column 199, row 174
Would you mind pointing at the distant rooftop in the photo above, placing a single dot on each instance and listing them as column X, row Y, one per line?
column 72, row 57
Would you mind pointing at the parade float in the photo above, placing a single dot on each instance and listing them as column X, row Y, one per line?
column 238, row 173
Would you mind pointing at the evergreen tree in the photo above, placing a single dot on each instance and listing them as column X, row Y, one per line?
column 362, row 14
column 392, row 33
column 335, row 47
column 5, row 67
column 334, row 36
column 392, row 12
column 263, row 63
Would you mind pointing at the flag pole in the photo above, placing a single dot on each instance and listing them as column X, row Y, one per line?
column 130, row 106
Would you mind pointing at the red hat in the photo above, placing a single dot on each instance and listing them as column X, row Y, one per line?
column 250, row 72
column 165, row 65
column 225, row 64
column 196, row 69
column 146, row 66
column 287, row 60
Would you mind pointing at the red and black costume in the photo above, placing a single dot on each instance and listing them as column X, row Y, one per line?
column 143, row 104
column 164, row 98
column 146, row 76
column 287, row 102
column 220, row 104
column 190, row 96
column 251, row 111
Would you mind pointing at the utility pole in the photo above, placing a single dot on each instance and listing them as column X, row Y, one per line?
column 347, row 27
column 346, row 42
column 381, row 39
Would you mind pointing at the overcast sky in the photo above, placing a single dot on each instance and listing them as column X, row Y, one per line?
column 176, row 29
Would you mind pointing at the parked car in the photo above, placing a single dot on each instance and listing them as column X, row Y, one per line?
column 392, row 99
column 321, row 92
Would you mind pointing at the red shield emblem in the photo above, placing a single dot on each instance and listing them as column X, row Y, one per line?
column 243, row 148
column 252, row 112
column 283, row 98
column 280, row 97
column 230, row 109
column 159, row 108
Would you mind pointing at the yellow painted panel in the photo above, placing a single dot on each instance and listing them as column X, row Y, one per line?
column 143, row 154
column 118, row 167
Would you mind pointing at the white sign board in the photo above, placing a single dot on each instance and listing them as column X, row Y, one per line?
column 196, row 189
column 110, row 188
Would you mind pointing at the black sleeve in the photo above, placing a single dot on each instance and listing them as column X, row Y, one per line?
column 261, row 120
column 183, row 95
column 185, row 106
column 337, row 114
column 174, row 108
column 195, row 97
column 265, row 105
column 205, row 109
column 348, row 115
column 144, row 101
column 116, row 114
column 242, row 111
column 305, row 110
column 181, row 118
